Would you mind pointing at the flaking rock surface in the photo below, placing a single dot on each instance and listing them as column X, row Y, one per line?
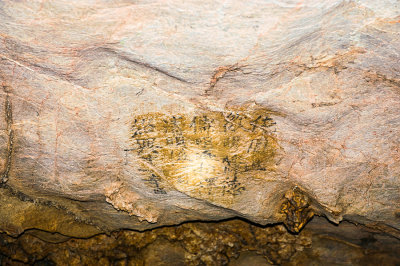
column 137, row 114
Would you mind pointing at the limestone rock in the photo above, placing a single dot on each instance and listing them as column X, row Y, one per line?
column 138, row 114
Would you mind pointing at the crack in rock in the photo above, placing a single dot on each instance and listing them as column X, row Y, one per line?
column 10, row 133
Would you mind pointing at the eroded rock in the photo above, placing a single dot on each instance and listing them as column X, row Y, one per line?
column 225, row 243
column 137, row 115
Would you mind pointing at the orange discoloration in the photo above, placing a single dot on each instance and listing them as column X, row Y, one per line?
column 208, row 155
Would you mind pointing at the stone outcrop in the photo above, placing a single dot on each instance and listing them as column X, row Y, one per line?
column 140, row 114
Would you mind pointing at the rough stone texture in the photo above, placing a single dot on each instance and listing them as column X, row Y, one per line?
column 224, row 243
column 137, row 114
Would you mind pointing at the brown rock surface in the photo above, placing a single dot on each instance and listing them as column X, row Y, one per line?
column 224, row 243
column 139, row 114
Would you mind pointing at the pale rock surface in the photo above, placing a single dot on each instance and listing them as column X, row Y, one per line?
column 137, row 114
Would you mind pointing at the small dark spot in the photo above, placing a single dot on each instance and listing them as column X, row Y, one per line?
column 44, row 262
column 367, row 241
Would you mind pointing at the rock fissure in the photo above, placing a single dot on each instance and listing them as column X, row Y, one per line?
column 10, row 134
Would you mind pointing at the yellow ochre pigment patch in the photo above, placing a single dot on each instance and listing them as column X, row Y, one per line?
column 208, row 155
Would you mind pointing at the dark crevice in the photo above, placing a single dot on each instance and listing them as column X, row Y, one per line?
column 128, row 58
column 47, row 203
column 10, row 133
column 219, row 242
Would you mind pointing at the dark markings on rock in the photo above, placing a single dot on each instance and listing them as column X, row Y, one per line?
column 140, row 92
column 207, row 154
column 154, row 180
column 47, row 203
column 10, row 133
column 129, row 58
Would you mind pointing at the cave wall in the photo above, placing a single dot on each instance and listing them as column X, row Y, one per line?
column 140, row 114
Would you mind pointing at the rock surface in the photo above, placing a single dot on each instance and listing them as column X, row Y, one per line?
column 138, row 114
column 231, row 243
